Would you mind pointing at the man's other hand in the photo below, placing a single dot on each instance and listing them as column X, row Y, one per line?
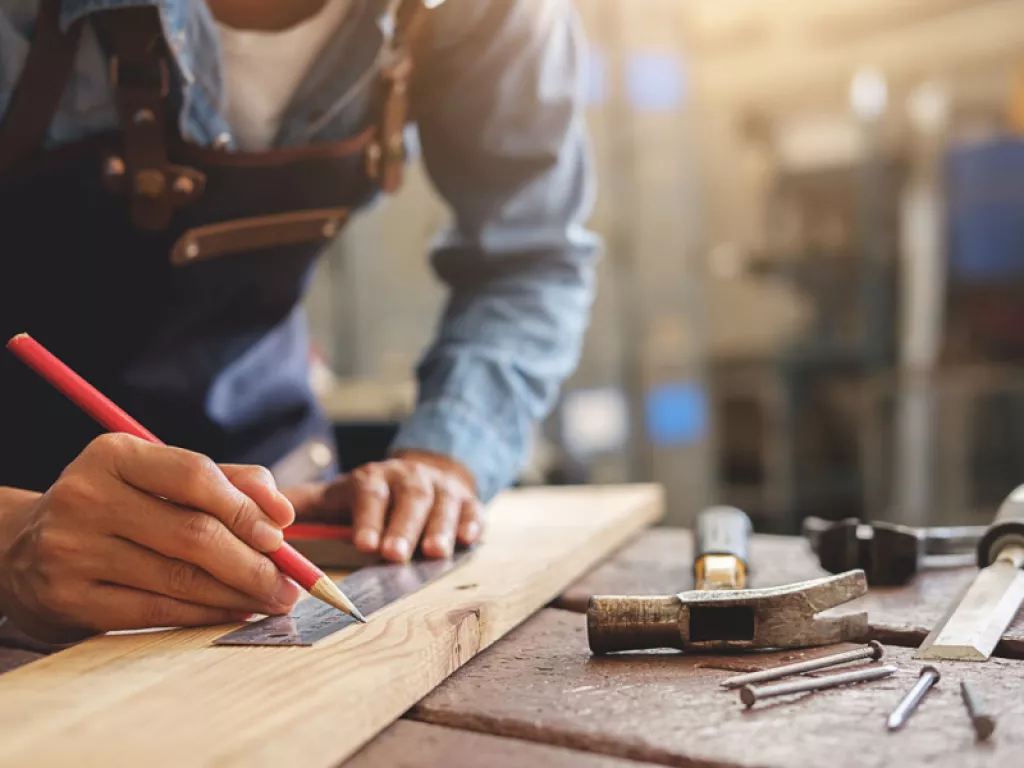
column 395, row 503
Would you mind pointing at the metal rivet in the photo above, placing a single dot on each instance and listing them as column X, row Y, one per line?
column 183, row 185
column 222, row 141
column 144, row 116
column 150, row 182
column 114, row 167
column 330, row 228
column 191, row 249
column 321, row 455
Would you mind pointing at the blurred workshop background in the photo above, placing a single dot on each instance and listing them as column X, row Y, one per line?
column 812, row 291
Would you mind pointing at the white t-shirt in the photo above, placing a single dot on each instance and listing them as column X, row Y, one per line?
column 262, row 70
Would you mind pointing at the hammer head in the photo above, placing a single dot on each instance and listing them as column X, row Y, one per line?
column 730, row 620
column 774, row 617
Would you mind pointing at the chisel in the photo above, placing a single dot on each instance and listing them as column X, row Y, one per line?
column 721, row 544
column 975, row 623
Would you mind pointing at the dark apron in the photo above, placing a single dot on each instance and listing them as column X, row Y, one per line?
column 166, row 274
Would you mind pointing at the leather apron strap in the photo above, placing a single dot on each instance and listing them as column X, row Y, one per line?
column 140, row 71
column 37, row 94
column 140, row 67
column 386, row 155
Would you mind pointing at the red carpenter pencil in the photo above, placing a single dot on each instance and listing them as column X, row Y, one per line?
column 111, row 417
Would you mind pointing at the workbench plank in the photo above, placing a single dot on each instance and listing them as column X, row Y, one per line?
column 172, row 698
column 659, row 562
column 542, row 684
column 410, row 744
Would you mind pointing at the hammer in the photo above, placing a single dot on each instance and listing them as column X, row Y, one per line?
column 720, row 614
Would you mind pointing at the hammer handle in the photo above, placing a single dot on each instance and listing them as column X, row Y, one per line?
column 723, row 531
column 1006, row 529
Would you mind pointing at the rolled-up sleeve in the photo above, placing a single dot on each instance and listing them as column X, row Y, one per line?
column 499, row 101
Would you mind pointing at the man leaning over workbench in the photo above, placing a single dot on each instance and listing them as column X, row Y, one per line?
column 169, row 172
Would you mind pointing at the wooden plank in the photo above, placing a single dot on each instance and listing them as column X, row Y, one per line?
column 409, row 744
column 171, row 698
column 658, row 562
column 541, row 683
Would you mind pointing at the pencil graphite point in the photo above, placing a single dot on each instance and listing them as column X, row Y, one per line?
column 328, row 591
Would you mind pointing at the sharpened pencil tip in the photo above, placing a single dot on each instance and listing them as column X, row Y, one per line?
column 328, row 591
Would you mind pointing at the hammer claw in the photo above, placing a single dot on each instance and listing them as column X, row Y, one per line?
column 822, row 594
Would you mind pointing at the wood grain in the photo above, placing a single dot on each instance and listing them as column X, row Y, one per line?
column 409, row 744
column 170, row 698
column 658, row 562
column 540, row 683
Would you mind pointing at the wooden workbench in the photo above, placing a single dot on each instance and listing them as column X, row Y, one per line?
column 538, row 697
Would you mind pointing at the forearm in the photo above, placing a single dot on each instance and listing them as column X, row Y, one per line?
column 496, row 368
column 13, row 504
column 504, row 139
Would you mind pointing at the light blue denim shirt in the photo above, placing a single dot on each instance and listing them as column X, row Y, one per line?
column 503, row 138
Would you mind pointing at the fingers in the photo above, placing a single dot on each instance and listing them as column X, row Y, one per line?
column 370, row 492
column 439, row 536
column 393, row 503
column 470, row 522
column 126, row 564
column 202, row 540
column 126, row 608
column 413, row 499
column 190, row 480
column 258, row 484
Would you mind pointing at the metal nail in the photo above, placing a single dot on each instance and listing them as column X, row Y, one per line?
column 929, row 677
column 872, row 651
column 983, row 722
column 750, row 694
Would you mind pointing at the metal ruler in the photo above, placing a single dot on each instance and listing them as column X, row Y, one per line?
column 370, row 588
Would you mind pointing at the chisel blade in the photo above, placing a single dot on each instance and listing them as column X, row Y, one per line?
column 972, row 629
